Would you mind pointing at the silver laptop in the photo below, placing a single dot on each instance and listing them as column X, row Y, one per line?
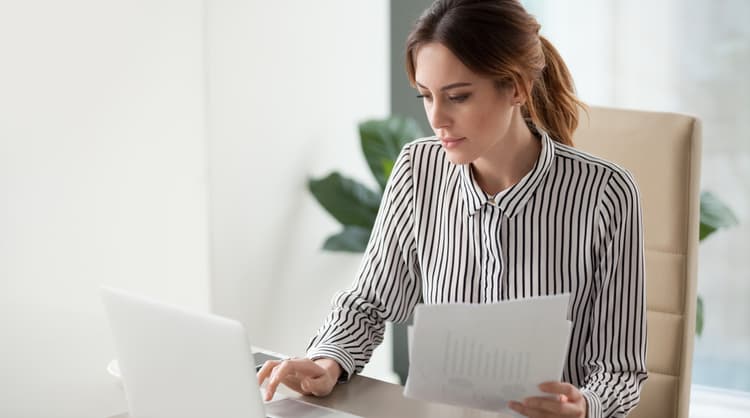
column 181, row 364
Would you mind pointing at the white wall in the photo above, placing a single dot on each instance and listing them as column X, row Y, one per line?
column 114, row 119
column 102, row 181
column 288, row 83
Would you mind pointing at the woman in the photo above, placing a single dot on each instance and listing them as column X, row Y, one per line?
column 497, row 206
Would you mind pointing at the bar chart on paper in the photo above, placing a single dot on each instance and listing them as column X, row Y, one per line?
column 478, row 373
column 467, row 357
column 483, row 356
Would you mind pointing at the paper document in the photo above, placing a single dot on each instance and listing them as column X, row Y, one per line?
column 482, row 356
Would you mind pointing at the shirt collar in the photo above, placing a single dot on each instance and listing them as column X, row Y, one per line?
column 517, row 195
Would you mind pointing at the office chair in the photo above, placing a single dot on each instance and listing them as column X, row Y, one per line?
column 662, row 151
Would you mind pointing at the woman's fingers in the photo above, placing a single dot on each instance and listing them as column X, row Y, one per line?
column 266, row 370
column 544, row 404
column 530, row 412
column 560, row 388
column 568, row 402
column 554, row 406
column 279, row 372
column 291, row 372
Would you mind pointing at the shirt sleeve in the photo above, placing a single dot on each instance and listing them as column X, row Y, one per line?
column 615, row 355
column 387, row 287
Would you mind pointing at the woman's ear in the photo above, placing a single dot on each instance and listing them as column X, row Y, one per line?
column 512, row 90
column 518, row 95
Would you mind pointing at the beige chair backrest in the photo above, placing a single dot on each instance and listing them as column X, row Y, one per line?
column 662, row 151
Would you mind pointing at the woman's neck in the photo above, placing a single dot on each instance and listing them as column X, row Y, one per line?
column 509, row 160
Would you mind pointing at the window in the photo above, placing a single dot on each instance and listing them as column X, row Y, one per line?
column 690, row 57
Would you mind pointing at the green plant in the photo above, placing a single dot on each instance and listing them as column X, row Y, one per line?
column 353, row 204
column 715, row 215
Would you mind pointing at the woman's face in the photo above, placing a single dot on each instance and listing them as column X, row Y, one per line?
column 468, row 113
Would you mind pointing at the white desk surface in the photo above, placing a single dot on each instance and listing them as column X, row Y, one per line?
column 374, row 398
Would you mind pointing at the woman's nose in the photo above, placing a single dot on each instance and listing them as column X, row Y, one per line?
column 438, row 116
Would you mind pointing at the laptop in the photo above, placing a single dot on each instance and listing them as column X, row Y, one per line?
column 176, row 363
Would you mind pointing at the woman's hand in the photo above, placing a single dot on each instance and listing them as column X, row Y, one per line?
column 569, row 402
column 303, row 375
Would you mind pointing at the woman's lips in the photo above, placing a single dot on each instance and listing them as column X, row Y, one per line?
column 449, row 143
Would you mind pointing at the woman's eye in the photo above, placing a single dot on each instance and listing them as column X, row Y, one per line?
column 459, row 98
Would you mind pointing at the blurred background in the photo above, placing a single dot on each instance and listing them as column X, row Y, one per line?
column 687, row 56
column 164, row 147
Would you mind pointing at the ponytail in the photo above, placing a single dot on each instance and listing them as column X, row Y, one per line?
column 553, row 105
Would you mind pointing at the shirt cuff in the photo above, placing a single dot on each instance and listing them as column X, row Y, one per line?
column 593, row 404
column 341, row 356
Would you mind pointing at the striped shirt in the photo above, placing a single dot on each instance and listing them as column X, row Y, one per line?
column 570, row 225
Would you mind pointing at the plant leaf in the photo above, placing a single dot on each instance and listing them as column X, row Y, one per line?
column 715, row 214
column 699, row 317
column 350, row 202
column 388, row 167
column 351, row 239
column 382, row 140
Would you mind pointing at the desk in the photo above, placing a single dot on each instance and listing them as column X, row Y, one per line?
column 369, row 397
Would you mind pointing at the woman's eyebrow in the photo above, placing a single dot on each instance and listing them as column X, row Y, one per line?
column 448, row 87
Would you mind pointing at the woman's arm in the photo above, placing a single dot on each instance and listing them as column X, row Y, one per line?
column 615, row 354
column 388, row 284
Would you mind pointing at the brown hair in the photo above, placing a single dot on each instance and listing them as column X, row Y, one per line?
column 499, row 39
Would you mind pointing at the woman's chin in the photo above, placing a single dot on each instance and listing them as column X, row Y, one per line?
column 457, row 157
